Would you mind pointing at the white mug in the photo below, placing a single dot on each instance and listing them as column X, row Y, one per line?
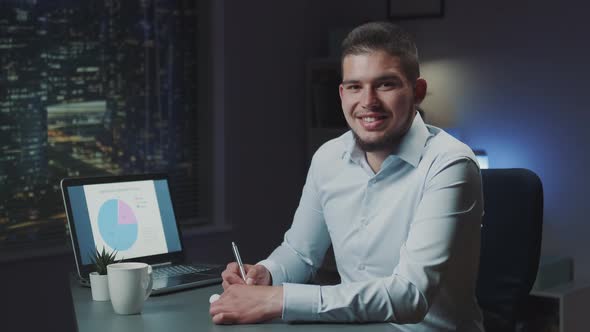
column 130, row 284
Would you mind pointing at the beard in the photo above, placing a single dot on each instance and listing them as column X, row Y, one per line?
column 387, row 142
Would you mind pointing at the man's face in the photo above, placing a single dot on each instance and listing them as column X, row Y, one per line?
column 377, row 99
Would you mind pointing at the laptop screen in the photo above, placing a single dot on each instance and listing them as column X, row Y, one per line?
column 135, row 218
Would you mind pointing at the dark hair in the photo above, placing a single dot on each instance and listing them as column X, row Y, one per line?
column 384, row 36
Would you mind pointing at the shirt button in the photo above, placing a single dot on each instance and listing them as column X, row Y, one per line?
column 361, row 267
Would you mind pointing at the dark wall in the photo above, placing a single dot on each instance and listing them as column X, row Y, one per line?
column 510, row 76
column 264, row 123
column 267, row 44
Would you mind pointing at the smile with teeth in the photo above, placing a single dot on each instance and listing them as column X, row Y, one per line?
column 371, row 119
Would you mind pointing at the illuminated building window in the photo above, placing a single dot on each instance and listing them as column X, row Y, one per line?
column 87, row 98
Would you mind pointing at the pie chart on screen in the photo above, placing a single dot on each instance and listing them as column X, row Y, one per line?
column 117, row 224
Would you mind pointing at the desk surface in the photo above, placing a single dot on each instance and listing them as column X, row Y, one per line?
column 183, row 311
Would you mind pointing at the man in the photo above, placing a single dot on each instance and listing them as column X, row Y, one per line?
column 400, row 201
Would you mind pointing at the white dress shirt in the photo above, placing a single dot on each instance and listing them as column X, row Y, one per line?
column 406, row 239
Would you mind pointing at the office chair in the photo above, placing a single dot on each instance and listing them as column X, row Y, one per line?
column 510, row 245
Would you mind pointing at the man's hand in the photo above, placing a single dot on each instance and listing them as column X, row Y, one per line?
column 255, row 275
column 242, row 304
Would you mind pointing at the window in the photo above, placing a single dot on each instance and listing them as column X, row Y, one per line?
column 92, row 88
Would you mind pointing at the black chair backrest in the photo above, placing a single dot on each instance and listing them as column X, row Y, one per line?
column 510, row 243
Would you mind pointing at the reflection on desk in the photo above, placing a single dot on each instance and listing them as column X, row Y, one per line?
column 184, row 311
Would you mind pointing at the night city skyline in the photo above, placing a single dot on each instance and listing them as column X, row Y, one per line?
column 92, row 88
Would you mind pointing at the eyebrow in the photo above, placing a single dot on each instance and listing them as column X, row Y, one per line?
column 350, row 82
column 388, row 77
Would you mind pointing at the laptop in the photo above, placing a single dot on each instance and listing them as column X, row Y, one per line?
column 134, row 215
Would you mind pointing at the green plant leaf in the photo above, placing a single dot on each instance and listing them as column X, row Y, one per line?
column 101, row 259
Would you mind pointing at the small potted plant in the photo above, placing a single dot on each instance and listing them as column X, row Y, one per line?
column 99, row 283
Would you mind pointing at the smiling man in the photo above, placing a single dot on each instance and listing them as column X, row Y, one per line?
column 400, row 202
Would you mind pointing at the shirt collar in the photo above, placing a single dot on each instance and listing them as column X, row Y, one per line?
column 410, row 148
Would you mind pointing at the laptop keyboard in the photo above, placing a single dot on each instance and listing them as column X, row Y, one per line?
column 178, row 270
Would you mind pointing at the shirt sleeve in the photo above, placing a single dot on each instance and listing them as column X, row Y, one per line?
column 443, row 237
column 305, row 244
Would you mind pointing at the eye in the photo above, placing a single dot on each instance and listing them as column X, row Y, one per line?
column 387, row 85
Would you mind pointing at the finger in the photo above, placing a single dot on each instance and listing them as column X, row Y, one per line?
column 250, row 277
column 216, row 307
column 226, row 273
column 252, row 274
column 224, row 318
column 258, row 276
column 231, row 278
column 233, row 267
column 226, row 284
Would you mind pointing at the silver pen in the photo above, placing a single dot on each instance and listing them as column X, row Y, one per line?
column 239, row 260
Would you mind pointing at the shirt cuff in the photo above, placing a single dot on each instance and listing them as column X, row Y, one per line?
column 277, row 273
column 301, row 302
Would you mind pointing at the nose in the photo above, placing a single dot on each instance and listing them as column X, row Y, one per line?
column 369, row 99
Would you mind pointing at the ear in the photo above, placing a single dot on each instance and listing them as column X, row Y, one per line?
column 340, row 89
column 420, row 90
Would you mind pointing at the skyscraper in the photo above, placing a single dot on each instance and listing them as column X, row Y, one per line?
column 23, row 124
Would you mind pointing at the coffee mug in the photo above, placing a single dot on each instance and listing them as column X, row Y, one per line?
column 130, row 284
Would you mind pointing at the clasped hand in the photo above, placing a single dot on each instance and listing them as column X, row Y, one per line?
column 250, row 301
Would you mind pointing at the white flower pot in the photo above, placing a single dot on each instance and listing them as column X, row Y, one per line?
column 99, row 284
